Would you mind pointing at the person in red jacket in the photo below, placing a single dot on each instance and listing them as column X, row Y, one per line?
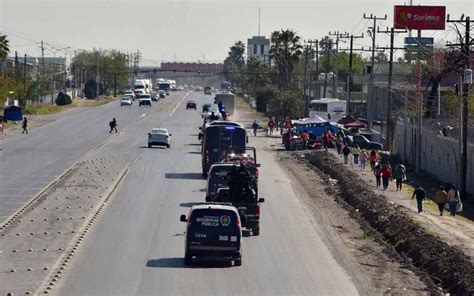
column 304, row 138
column 386, row 173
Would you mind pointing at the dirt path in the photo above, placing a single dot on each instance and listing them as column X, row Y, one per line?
column 455, row 231
column 372, row 264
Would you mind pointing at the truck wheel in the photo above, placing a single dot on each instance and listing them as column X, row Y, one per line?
column 256, row 230
column 168, row 145
column 238, row 262
column 188, row 259
column 149, row 145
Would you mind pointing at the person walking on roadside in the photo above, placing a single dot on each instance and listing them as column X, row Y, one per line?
column 326, row 140
column 399, row 174
column 345, row 152
column 305, row 138
column 24, row 125
column 377, row 171
column 386, row 173
column 355, row 151
column 271, row 125
column 255, row 127
column 373, row 159
column 113, row 125
column 363, row 156
column 338, row 141
column 441, row 198
column 420, row 196
column 1, row 127
column 453, row 200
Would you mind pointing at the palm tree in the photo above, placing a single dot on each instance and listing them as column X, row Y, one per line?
column 4, row 49
column 285, row 51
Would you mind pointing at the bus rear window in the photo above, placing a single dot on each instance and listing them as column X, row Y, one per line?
column 214, row 219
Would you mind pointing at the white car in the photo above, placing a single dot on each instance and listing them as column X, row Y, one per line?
column 129, row 93
column 159, row 136
column 126, row 101
column 144, row 100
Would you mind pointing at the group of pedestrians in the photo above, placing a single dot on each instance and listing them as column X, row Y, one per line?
column 448, row 199
column 272, row 126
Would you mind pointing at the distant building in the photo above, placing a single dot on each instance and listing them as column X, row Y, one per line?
column 192, row 67
column 259, row 47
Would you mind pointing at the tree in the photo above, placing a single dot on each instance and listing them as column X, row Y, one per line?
column 287, row 103
column 285, row 51
column 263, row 96
column 109, row 63
column 326, row 46
column 90, row 89
column 63, row 99
column 448, row 61
column 256, row 74
column 4, row 47
column 234, row 63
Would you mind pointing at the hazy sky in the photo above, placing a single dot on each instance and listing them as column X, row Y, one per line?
column 193, row 29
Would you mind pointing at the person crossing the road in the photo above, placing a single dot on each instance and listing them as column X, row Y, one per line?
column 113, row 125
column 255, row 127
column 25, row 126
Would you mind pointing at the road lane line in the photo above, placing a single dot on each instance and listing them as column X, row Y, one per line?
column 176, row 108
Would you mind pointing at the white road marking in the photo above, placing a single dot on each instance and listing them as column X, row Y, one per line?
column 176, row 108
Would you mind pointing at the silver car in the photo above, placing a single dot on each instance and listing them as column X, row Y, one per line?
column 126, row 101
column 159, row 136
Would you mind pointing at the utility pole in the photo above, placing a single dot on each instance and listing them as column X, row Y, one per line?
column 328, row 43
column 465, row 49
column 350, row 78
column 336, row 76
column 115, row 84
column 317, row 56
column 307, row 80
column 370, row 102
column 24, row 77
column 305, row 96
column 97, row 77
column 389, row 125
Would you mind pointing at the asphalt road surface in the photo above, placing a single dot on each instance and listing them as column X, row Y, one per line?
column 30, row 162
column 137, row 245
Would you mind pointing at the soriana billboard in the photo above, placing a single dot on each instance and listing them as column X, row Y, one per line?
column 420, row 17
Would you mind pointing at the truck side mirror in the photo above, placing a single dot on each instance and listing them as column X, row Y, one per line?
column 258, row 165
column 182, row 218
column 260, row 200
column 149, row 134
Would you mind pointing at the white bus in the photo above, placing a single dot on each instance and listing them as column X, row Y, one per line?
column 330, row 109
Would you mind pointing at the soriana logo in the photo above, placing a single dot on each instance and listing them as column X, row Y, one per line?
column 420, row 17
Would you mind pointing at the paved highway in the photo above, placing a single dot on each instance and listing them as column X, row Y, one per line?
column 136, row 246
column 30, row 162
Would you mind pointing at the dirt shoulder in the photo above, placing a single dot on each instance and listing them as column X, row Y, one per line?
column 455, row 231
column 375, row 266
column 447, row 265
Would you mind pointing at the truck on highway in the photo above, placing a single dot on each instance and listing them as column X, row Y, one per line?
column 143, row 85
column 227, row 98
column 217, row 139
